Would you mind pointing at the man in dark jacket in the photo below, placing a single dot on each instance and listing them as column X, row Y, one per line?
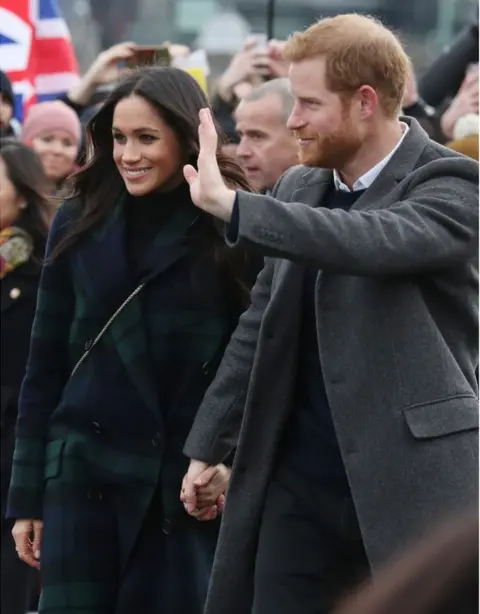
column 352, row 374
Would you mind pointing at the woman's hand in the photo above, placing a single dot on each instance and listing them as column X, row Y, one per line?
column 28, row 551
column 203, row 490
column 211, row 485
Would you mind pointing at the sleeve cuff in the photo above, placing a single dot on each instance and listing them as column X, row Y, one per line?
column 231, row 232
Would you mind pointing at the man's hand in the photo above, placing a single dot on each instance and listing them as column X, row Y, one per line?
column 203, row 489
column 207, row 188
column 28, row 551
column 211, row 486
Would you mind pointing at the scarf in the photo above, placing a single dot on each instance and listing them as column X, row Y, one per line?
column 16, row 247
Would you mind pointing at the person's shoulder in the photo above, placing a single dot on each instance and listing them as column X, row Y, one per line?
column 65, row 217
column 296, row 177
column 440, row 161
column 441, row 168
column 68, row 211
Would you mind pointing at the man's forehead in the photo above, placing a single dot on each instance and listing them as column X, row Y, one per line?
column 307, row 75
column 263, row 108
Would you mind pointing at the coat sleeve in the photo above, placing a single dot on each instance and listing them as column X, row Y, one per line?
column 46, row 375
column 434, row 227
column 216, row 428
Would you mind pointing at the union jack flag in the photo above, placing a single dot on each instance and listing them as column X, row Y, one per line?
column 36, row 51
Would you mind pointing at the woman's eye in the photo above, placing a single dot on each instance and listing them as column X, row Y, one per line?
column 147, row 138
column 119, row 138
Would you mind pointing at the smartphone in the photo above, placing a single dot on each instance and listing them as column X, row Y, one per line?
column 150, row 55
column 261, row 40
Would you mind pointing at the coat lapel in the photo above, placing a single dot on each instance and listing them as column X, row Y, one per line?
column 288, row 281
column 101, row 265
column 400, row 165
column 107, row 280
column 128, row 329
column 316, row 184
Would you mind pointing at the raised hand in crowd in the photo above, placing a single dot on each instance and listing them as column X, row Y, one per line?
column 277, row 64
column 203, row 489
column 410, row 95
column 105, row 69
column 249, row 67
column 465, row 102
column 207, row 188
column 176, row 51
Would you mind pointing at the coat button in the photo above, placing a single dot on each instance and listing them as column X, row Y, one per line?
column 167, row 526
column 156, row 440
column 88, row 344
column 97, row 429
column 15, row 293
column 95, row 495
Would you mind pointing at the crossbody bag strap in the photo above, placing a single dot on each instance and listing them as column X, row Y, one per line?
column 107, row 326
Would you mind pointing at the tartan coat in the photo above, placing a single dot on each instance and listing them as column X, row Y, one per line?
column 99, row 455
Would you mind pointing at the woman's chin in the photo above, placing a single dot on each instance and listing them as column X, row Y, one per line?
column 139, row 189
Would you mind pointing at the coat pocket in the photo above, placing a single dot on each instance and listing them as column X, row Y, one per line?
column 53, row 459
column 442, row 417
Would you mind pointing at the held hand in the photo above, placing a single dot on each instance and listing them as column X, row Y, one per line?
column 208, row 504
column 188, row 495
column 28, row 551
column 207, row 188
column 212, row 485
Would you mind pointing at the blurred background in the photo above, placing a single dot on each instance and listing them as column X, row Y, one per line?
column 220, row 26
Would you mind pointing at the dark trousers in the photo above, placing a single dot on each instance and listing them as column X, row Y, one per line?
column 310, row 551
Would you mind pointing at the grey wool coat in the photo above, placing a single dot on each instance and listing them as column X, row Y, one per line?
column 397, row 323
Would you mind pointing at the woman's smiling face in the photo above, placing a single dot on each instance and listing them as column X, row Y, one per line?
column 146, row 150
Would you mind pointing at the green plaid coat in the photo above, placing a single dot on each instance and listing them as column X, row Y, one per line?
column 99, row 455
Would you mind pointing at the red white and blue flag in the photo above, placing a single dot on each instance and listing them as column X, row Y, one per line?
column 36, row 51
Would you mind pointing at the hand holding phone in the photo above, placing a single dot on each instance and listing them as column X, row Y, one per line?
column 150, row 55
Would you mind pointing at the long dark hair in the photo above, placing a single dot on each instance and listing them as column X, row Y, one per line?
column 25, row 171
column 177, row 98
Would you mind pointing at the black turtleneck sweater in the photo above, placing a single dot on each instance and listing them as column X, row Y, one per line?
column 145, row 216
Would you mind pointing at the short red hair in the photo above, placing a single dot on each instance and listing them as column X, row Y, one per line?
column 359, row 50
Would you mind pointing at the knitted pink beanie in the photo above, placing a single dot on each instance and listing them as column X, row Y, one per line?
column 55, row 115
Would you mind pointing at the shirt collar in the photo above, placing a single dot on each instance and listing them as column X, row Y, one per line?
column 366, row 180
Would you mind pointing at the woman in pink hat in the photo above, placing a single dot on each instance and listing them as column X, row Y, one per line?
column 54, row 131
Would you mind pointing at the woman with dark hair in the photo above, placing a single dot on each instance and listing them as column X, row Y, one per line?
column 23, row 234
column 137, row 302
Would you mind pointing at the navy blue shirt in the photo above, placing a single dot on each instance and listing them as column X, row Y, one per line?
column 310, row 447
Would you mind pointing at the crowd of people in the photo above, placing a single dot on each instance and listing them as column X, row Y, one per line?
column 240, row 336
